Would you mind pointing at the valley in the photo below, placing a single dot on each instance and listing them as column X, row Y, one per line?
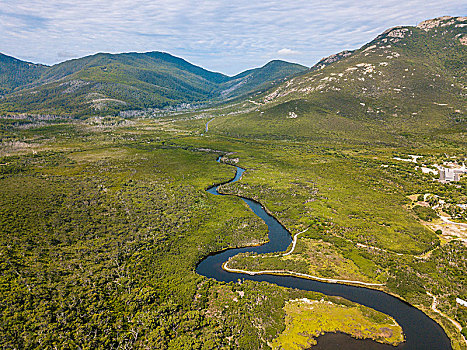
column 113, row 234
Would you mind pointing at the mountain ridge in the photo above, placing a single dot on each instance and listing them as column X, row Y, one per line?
column 255, row 79
column 409, row 80
column 106, row 83
column 412, row 66
column 15, row 73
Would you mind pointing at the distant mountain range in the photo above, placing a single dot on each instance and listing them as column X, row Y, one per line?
column 407, row 81
column 111, row 82
column 410, row 79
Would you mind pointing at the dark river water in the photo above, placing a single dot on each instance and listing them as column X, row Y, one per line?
column 420, row 331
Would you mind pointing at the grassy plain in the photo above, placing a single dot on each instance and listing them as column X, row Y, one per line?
column 104, row 220
column 307, row 319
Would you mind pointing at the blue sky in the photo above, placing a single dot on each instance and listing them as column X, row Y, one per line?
column 225, row 35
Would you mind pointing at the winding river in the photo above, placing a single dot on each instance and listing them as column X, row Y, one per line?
column 420, row 331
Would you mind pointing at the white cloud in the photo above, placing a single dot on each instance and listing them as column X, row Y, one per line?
column 287, row 52
column 221, row 35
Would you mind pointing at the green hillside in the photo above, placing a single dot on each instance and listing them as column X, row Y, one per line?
column 407, row 81
column 106, row 83
column 15, row 73
column 113, row 82
column 260, row 78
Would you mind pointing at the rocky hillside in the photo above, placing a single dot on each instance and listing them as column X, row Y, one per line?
column 106, row 83
column 332, row 59
column 408, row 80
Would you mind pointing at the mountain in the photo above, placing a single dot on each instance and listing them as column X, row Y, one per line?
column 112, row 82
column 407, row 81
column 331, row 59
column 15, row 73
column 260, row 78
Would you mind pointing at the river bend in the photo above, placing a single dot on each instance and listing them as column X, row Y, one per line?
column 420, row 331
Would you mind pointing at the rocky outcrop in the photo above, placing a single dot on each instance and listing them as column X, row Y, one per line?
column 441, row 22
column 331, row 59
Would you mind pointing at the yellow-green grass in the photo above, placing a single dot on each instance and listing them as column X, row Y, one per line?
column 307, row 319
column 312, row 257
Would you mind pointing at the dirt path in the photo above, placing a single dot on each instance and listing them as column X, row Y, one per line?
column 454, row 322
column 207, row 124
column 292, row 273
column 294, row 243
column 446, row 219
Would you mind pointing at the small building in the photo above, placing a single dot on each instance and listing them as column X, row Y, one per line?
column 451, row 174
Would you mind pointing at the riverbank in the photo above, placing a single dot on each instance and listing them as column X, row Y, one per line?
column 422, row 331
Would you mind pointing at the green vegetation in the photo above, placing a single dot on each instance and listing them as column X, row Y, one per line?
column 99, row 243
column 312, row 257
column 338, row 193
column 362, row 203
column 255, row 80
column 354, row 199
column 306, row 319
column 15, row 73
column 104, row 221
column 425, row 213
column 394, row 90
column 104, row 218
column 107, row 83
